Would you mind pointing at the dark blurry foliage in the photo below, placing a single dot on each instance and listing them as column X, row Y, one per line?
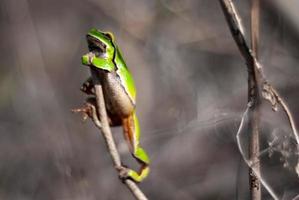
column 192, row 91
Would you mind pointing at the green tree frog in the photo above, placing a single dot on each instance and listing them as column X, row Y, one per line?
column 119, row 94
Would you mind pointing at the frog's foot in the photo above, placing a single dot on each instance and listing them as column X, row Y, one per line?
column 141, row 175
column 123, row 172
column 85, row 111
column 88, row 110
column 88, row 87
column 126, row 173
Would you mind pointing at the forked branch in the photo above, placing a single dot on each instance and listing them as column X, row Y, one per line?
column 260, row 87
column 268, row 91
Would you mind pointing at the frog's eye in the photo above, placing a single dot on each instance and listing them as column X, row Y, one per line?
column 110, row 36
column 96, row 53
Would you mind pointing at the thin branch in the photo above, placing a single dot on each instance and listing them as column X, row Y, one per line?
column 255, row 26
column 236, row 28
column 106, row 132
column 249, row 162
column 95, row 118
column 287, row 112
column 254, row 120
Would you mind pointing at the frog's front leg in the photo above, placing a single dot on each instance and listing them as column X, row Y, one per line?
column 88, row 87
column 89, row 108
column 90, row 59
column 132, row 136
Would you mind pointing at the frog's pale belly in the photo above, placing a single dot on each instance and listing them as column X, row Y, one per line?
column 117, row 100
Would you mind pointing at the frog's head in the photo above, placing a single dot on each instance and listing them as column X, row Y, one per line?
column 100, row 44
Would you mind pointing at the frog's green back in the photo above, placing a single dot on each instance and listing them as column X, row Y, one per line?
column 125, row 76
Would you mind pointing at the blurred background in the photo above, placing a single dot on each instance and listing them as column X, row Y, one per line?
column 192, row 90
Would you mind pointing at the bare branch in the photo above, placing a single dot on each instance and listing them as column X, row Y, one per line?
column 255, row 26
column 236, row 28
column 106, row 132
column 250, row 162
column 95, row 118
column 253, row 93
column 287, row 112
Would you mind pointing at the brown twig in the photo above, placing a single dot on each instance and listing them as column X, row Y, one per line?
column 255, row 26
column 254, row 118
column 258, row 84
column 103, row 125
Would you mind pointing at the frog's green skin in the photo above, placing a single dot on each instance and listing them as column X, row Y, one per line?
column 119, row 93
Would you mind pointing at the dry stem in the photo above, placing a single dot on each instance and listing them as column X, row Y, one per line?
column 103, row 125
column 254, row 119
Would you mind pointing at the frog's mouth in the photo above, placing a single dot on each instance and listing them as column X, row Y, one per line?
column 96, row 46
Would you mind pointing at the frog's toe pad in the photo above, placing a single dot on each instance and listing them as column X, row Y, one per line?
column 88, row 87
column 123, row 172
column 83, row 111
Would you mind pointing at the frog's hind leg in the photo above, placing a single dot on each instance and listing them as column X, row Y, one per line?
column 132, row 135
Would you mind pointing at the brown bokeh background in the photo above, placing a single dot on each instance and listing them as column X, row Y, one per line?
column 192, row 90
